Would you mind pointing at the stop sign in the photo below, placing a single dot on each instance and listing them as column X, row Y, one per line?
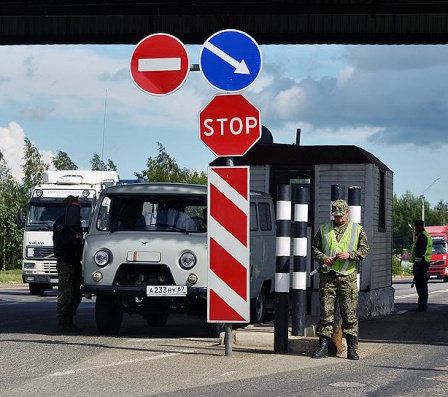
column 229, row 125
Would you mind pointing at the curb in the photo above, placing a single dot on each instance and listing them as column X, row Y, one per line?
column 253, row 336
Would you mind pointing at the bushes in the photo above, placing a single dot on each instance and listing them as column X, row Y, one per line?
column 400, row 268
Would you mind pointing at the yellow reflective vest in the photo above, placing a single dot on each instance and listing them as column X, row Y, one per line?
column 347, row 243
column 428, row 248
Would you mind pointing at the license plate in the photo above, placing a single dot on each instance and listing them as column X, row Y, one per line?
column 54, row 280
column 166, row 290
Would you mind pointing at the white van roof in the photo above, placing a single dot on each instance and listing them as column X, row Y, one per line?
column 164, row 188
column 78, row 177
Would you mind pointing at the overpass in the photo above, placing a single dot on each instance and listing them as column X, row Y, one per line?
column 193, row 21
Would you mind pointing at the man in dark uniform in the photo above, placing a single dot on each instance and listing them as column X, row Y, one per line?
column 67, row 245
column 421, row 257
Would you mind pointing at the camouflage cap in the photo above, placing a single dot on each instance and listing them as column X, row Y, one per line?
column 339, row 208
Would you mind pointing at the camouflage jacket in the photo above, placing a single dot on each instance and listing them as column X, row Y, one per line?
column 360, row 253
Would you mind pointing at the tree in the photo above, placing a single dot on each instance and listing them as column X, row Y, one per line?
column 63, row 162
column 406, row 209
column 33, row 166
column 111, row 165
column 164, row 168
column 100, row 165
column 11, row 197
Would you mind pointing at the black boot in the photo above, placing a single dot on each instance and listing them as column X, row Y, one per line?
column 351, row 347
column 322, row 349
column 65, row 325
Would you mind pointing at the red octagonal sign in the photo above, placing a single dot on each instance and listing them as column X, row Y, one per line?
column 229, row 125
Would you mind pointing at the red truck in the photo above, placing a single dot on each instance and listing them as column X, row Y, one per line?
column 439, row 257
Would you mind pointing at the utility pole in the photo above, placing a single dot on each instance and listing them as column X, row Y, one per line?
column 423, row 197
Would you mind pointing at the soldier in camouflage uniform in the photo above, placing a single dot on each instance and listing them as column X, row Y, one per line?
column 338, row 246
column 67, row 245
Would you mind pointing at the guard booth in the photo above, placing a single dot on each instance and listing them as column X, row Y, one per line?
column 320, row 167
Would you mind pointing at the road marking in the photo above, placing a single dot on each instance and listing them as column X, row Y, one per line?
column 115, row 364
column 240, row 67
column 438, row 292
column 415, row 294
column 158, row 64
column 405, row 296
column 345, row 385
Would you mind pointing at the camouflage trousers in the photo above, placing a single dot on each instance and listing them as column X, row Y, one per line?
column 345, row 290
column 69, row 289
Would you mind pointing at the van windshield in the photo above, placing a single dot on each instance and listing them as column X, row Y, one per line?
column 185, row 214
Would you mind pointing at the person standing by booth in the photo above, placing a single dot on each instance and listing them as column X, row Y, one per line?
column 421, row 257
column 338, row 246
column 67, row 246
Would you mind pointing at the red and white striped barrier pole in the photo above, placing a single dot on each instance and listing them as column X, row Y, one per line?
column 228, row 293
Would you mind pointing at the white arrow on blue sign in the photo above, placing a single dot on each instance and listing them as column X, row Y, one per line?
column 230, row 60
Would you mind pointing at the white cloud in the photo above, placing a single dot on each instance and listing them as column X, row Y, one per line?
column 344, row 75
column 11, row 145
column 287, row 102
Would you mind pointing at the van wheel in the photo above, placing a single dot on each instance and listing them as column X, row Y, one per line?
column 37, row 289
column 108, row 315
column 258, row 308
column 445, row 279
column 157, row 320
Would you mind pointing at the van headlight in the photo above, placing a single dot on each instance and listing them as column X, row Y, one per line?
column 102, row 257
column 97, row 276
column 187, row 260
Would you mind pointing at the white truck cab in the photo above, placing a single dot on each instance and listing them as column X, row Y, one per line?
column 44, row 207
column 146, row 253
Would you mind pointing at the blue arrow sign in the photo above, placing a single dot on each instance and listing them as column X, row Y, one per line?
column 230, row 60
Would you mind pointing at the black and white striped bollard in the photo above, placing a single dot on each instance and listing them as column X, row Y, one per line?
column 354, row 204
column 300, row 254
column 283, row 249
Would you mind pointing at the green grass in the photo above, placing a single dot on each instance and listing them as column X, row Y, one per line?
column 11, row 276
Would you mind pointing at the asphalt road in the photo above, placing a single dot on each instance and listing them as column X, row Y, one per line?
column 404, row 354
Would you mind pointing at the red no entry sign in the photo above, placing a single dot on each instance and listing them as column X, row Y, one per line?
column 229, row 125
column 159, row 64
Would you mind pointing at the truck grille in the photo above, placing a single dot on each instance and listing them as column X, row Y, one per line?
column 43, row 253
column 46, row 267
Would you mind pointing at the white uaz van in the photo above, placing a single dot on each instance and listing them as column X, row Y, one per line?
column 150, row 239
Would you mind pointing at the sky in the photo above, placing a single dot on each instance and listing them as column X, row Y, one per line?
column 389, row 100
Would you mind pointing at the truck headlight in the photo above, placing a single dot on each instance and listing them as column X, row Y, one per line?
column 30, row 252
column 102, row 257
column 28, row 266
column 187, row 260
